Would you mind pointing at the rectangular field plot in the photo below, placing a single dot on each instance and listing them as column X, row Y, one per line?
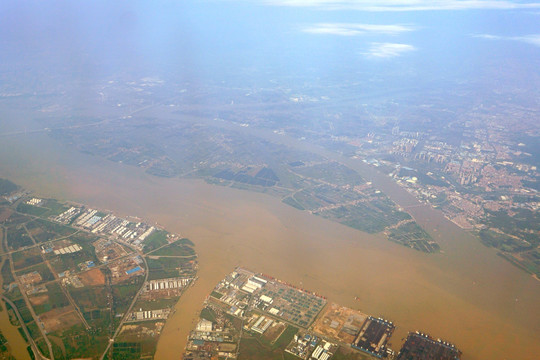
column 288, row 303
column 26, row 258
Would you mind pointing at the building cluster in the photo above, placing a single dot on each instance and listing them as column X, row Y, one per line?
column 164, row 288
column 68, row 249
column 164, row 284
column 374, row 336
column 61, row 247
column 149, row 315
column 67, row 216
column 309, row 346
column 404, row 146
column 213, row 339
column 269, row 295
column 108, row 250
column 262, row 304
column 421, row 346
column 258, row 323
column 97, row 222
column 34, row 201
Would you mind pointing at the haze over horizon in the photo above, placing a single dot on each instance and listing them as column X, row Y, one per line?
column 357, row 148
column 414, row 41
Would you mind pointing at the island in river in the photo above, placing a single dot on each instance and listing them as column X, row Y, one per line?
column 481, row 302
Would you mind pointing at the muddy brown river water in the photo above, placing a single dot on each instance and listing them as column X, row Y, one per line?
column 467, row 294
column 16, row 343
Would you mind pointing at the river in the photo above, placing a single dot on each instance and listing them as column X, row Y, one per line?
column 16, row 343
column 466, row 295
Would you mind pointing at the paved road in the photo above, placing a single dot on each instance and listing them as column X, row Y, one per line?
column 33, row 345
column 128, row 311
column 28, row 304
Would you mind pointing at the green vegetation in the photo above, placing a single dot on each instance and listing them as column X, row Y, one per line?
column 33, row 330
column 263, row 177
column 26, row 258
column 79, row 344
column 143, row 336
column 7, row 275
column 23, row 310
column 16, row 219
column 30, row 352
column 57, row 347
column 64, row 262
column 31, row 209
column 347, row 354
column 42, row 269
column 14, row 294
column 99, row 319
column 59, row 229
column 216, row 295
column 7, row 187
column 292, row 202
column 42, row 346
column 257, row 347
column 524, row 224
column 126, row 350
column 90, row 298
column 497, row 240
column 369, row 211
column 101, row 304
column 155, row 240
column 156, row 304
column 208, row 314
column 289, row 356
column 22, row 333
column 57, row 298
column 17, row 237
column 175, row 249
column 372, row 217
column 252, row 348
column 3, row 342
column 331, row 172
column 123, row 294
column 162, row 268
column 44, row 230
column 410, row 234
column 55, row 207
column 186, row 241
column 285, row 338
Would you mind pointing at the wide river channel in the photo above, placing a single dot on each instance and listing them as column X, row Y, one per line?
column 466, row 294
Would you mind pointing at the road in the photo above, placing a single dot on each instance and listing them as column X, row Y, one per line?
column 66, row 293
column 28, row 304
column 128, row 311
column 33, row 345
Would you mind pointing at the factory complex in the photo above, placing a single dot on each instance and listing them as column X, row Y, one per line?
column 245, row 306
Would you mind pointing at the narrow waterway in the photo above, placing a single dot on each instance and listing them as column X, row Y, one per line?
column 16, row 344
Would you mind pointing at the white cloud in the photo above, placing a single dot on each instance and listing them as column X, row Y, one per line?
column 406, row 5
column 344, row 29
column 533, row 39
column 388, row 50
column 530, row 39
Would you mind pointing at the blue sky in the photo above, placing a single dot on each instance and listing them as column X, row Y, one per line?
column 212, row 38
